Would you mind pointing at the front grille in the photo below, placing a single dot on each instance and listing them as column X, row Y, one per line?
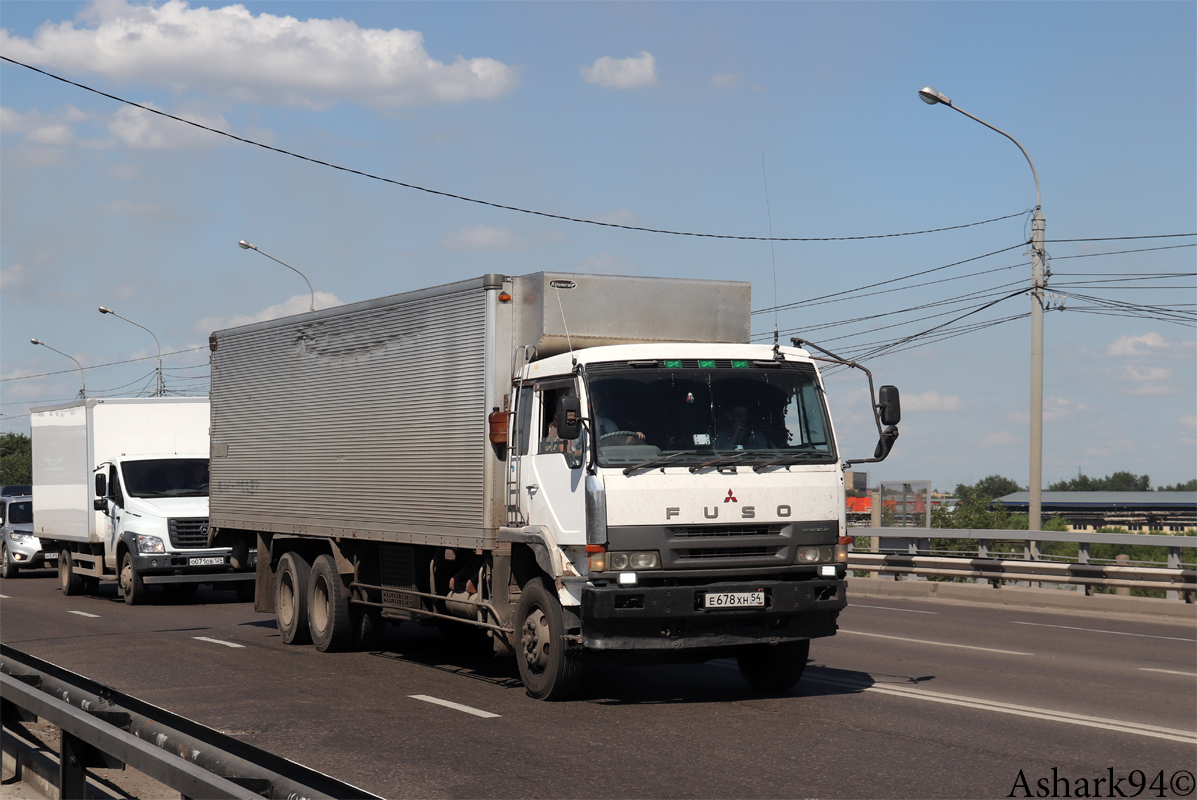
column 725, row 552
column 189, row 533
column 714, row 531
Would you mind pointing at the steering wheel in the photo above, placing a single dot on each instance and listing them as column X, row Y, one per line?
column 613, row 434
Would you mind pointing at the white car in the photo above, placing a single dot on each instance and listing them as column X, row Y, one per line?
column 19, row 548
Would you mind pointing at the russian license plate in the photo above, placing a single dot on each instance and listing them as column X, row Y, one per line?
column 50, row 556
column 209, row 561
column 734, row 600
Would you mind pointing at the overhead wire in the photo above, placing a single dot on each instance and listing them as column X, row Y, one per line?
column 491, row 204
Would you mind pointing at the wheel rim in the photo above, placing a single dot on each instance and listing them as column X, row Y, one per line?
column 286, row 599
column 64, row 570
column 535, row 639
column 4, row 552
column 320, row 605
column 127, row 576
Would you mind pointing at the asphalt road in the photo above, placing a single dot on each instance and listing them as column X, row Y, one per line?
column 910, row 699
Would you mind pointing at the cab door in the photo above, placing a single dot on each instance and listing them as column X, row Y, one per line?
column 553, row 471
column 107, row 522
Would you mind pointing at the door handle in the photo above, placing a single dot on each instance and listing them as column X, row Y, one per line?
column 532, row 488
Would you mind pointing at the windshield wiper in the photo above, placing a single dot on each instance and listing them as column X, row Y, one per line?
column 792, row 458
column 731, row 458
column 659, row 461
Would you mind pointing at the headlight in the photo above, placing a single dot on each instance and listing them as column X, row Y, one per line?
column 149, row 544
column 815, row 555
column 619, row 562
column 20, row 537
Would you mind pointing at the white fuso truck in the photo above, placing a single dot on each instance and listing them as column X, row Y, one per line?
column 581, row 466
column 120, row 490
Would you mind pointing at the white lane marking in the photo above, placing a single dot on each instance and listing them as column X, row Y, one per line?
column 84, row 614
column 1139, row 729
column 4, row 597
column 456, row 706
column 937, row 644
column 1096, row 630
column 217, row 641
column 888, row 608
column 1169, row 672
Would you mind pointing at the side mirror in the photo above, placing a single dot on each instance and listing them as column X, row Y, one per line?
column 889, row 405
column 885, row 443
column 569, row 415
column 101, row 485
column 100, row 504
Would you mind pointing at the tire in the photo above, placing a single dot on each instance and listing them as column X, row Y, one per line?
column 369, row 628
column 328, row 607
column 548, row 669
column 10, row 568
column 291, row 598
column 774, row 667
column 131, row 585
column 70, row 581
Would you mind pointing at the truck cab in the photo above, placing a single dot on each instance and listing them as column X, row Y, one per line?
column 152, row 512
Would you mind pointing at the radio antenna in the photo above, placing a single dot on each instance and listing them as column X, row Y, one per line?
column 772, row 252
column 561, row 308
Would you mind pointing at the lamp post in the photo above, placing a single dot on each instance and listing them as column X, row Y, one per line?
column 244, row 245
column 158, row 391
column 82, row 388
column 1038, row 283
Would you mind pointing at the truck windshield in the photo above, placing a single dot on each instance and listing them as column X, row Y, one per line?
column 166, row 477
column 20, row 513
column 710, row 412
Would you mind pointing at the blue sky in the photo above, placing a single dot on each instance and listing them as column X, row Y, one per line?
column 647, row 114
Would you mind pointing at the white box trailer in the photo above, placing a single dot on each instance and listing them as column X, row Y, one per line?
column 581, row 465
column 121, row 491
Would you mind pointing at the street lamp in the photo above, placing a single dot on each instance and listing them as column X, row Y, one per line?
column 82, row 389
column 244, row 245
column 1038, row 284
column 158, row 392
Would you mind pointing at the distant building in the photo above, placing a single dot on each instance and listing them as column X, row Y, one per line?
column 1145, row 512
column 856, row 480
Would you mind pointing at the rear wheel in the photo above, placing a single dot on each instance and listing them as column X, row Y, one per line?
column 131, row 585
column 369, row 628
column 291, row 598
column 10, row 567
column 774, row 667
column 548, row 669
column 328, row 607
column 70, row 581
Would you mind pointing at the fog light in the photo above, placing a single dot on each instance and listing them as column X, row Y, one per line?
column 154, row 562
column 19, row 556
column 827, row 571
column 627, row 579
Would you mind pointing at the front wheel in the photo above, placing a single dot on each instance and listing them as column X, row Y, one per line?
column 774, row 667
column 10, row 567
column 70, row 581
column 548, row 669
column 131, row 584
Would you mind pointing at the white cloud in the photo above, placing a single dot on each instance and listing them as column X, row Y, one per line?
column 483, row 237
column 1189, row 423
column 637, row 72
column 312, row 63
column 619, row 216
column 1137, row 346
column 1144, row 380
column 141, row 130
column 298, row 304
column 725, row 80
column 932, row 401
column 17, row 278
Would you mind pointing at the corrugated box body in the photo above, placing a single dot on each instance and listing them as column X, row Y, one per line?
column 369, row 420
column 556, row 310
column 70, row 440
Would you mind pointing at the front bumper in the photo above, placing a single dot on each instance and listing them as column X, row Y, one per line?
column 191, row 568
column 28, row 553
column 673, row 617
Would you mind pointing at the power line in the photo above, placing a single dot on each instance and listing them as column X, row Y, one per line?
column 1124, row 238
column 813, row 300
column 99, row 366
column 489, row 203
column 1120, row 252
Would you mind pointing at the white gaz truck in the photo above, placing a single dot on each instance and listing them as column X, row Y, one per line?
column 120, row 491
column 581, row 466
